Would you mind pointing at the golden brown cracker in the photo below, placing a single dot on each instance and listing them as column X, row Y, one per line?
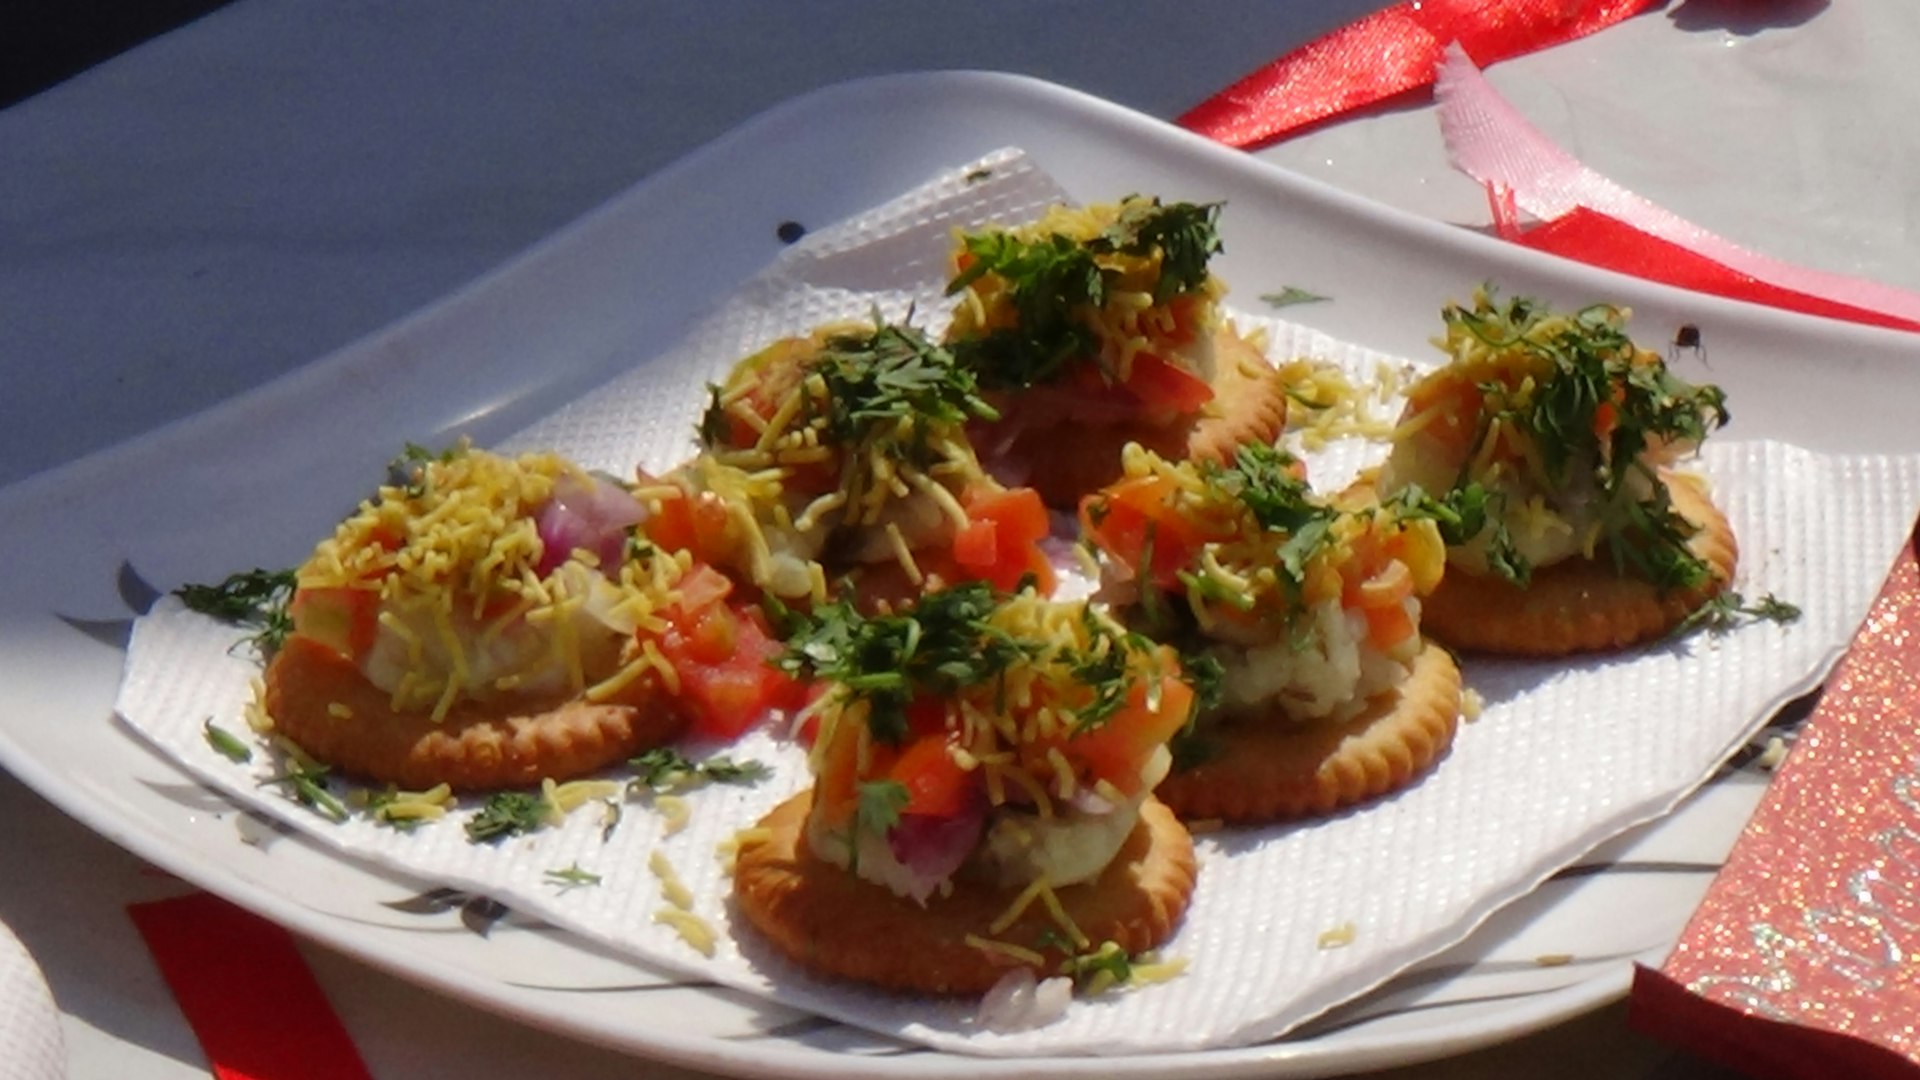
column 833, row 923
column 509, row 743
column 1067, row 461
column 1252, row 400
column 1581, row 605
column 1271, row 768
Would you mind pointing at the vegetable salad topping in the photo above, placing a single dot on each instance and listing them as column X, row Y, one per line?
column 1124, row 286
column 480, row 575
column 978, row 720
column 849, row 447
column 1565, row 423
column 1276, row 594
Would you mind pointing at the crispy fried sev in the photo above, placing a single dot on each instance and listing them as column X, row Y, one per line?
column 1582, row 605
column 506, row 742
column 1249, row 405
column 1265, row 769
column 833, row 923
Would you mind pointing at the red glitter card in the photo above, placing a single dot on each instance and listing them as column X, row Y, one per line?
column 1804, row 958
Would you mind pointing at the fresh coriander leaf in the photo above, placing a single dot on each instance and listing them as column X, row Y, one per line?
column 1052, row 280
column 572, row 877
column 226, row 744
column 252, row 598
column 507, row 813
column 943, row 644
column 1112, row 960
column 1729, row 610
column 1291, row 295
column 714, row 425
column 666, row 769
column 306, row 780
column 880, row 805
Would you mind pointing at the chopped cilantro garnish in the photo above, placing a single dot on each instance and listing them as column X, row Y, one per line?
column 881, row 803
column 572, row 877
column 1729, row 610
column 666, row 769
column 226, row 744
column 408, row 472
column 306, row 780
column 1097, row 969
column 943, row 644
column 1053, row 280
column 1106, row 668
column 1291, row 295
column 507, row 813
column 1600, row 404
column 252, row 598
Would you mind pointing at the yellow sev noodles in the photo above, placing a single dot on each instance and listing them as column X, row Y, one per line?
column 452, row 562
column 1011, row 728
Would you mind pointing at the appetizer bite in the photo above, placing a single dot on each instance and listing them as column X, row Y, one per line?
column 1571, row 433
column 845, row 454
column 1300, row 620
column 983, row 764
column 478, row 623
column 1099, row 326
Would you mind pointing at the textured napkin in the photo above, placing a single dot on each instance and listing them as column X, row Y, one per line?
column 1563, row 756
column 31, row 1047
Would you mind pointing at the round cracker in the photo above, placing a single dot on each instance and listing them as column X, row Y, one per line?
column 1582, row 605
column 508, row 743
column 1271, row 768
column 1249, row 405
column 833, row 923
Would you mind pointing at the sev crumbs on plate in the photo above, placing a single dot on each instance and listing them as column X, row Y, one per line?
column 1338, row 937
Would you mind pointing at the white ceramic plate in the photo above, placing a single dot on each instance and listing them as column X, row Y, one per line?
column 253, row 481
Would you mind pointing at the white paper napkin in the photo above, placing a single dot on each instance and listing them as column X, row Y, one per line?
column 31, row 1046
column 1564, row 755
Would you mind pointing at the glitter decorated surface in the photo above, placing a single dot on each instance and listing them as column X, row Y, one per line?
column 1815, row 920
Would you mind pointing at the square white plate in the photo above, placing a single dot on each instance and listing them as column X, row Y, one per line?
column 252, row 481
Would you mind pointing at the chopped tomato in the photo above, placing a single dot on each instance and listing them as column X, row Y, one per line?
column 1456, row 407
column 1001, row 543
column 1130, row 517
column 1117, row 749
column 1165, row 385
column 723, row 655
column 345, row 620
column 936, row 784
column 1389, row 626
column 690, row 523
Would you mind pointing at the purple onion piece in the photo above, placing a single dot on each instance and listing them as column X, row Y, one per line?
column 932, row 848
column 585, row 513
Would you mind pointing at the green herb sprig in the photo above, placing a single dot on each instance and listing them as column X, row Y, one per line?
column 256, row 598
column 1052, row 280
column 665, row 769
column 507, row 813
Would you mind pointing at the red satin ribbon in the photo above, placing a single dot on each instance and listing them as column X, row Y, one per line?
column 1598, row 240
column 1388, row 53
column 246, row 992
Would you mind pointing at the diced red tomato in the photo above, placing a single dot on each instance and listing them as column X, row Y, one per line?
column 1116, row 750
column 1131, row 515
column 1389, row 626
column 936, row 784
column 724, row 657
column 1001, row 543
column 690, row 523
column 345, row 620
